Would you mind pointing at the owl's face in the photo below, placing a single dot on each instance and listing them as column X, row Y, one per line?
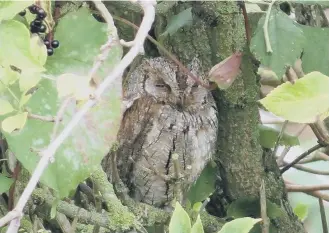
column 167, row 85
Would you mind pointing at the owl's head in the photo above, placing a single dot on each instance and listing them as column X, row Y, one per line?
column 161, row 79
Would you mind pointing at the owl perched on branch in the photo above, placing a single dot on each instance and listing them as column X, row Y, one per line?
column 167, row 113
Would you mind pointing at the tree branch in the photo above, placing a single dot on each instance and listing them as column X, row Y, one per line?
column 310, row 170
column 323, row 216
column 306, row 188
column 314, row 148
column 48, row 153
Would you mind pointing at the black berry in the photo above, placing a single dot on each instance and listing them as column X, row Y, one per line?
column 36, row 23
column 47, row 43
column 33, row 9
column 50, row 51
column 41, row 14
column 22, row 13
column 42, row 28
column 55, row 44
column 34, row 29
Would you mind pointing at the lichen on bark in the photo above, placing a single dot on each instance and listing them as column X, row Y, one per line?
column 217, row 32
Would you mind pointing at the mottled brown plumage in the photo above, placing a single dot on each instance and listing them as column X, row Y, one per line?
column 166, row 113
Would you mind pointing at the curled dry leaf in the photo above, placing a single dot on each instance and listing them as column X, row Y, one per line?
column 225, row 72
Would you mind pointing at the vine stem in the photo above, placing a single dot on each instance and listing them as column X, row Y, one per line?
column 49, row 152
column 265, row 28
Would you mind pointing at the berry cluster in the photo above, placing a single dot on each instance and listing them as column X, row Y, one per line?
column 37, row 26
column 51, row 46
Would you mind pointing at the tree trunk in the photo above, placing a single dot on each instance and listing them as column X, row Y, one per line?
column 218, row 31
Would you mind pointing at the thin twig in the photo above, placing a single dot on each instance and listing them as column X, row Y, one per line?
column 310, row 170
column 277, row 143
column 317, row 194
column 265, row 28
column 306, row 188
column 246, row 21
column 323, row 216
column 263, row 209
column 112, row 35
column 48, row 153
column 43, row 118
column 319, row 156
column 280, row 159
column 170, row 55
column 204, row 204
column 306, row 153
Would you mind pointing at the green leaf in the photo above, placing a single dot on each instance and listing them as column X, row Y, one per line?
column 24, row 99
column 9, row 8
column 28, row 80
column 197, row 206
column 178, row 21
column 7, row 77
column 240, row 225
column 301, row 210
column 15, row 47
column 318, row 38
column 91, row 140
column 81, row 37
column 197, row 226
column 311, row 2
column 5, row 183
column 15, row 122
column 38, row 49
column 268, row 137
column 301, row 102
column 180, row 221
column 286, row 39
column 204, row 186
column 5, row 107
column 247, row 206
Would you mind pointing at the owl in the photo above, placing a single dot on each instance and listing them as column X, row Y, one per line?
column 167, row 114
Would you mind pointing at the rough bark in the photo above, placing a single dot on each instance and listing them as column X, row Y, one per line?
column 216, row 32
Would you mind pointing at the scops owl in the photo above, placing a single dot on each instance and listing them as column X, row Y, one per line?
column 167, row 113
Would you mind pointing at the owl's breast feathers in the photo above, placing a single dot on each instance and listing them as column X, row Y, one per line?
column 150, row 134
column 169, row 114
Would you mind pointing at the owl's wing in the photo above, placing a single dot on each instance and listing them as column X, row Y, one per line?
column 135, row 125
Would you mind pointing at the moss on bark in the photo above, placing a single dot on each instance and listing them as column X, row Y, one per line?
column 216, row 33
